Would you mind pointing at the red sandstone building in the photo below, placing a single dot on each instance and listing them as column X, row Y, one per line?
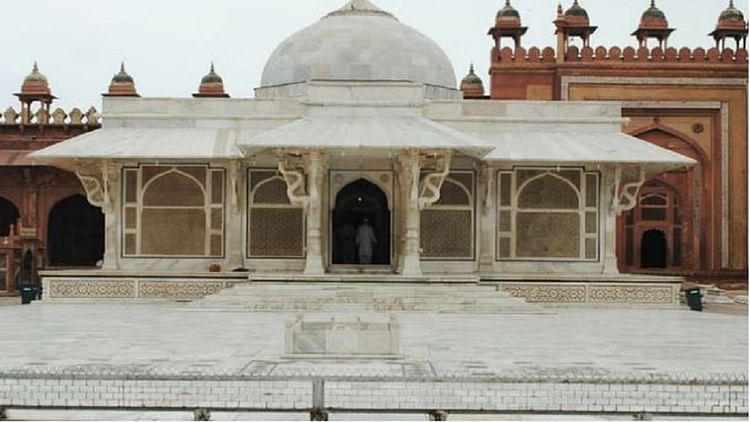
column 691, row 222
column 45, row 220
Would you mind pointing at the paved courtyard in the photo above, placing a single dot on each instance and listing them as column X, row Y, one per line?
column 170, row 337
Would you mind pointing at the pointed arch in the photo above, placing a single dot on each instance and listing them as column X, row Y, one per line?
column 9, row 215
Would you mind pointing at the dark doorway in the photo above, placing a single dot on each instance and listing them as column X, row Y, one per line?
column 8, row 216
column 654, row 249
column 75, row 233
column 360, row 201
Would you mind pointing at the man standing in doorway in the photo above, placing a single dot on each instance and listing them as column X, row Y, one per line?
column 366, row 240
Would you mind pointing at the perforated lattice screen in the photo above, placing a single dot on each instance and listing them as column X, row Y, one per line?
column 446, row 234
column 276, row 232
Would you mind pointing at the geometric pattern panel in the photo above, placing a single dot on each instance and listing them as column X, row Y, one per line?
column 632, row 294
column 276, row 232
column 91, row 289
column 172, row 290
column 446, row 233
column 547, row 293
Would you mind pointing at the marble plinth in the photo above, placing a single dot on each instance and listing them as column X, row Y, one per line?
column 343, row 334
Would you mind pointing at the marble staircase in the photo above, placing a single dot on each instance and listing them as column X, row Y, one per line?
column 382, row 297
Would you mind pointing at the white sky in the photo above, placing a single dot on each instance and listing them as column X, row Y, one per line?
column 167, row 45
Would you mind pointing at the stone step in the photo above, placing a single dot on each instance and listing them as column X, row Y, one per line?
column 291, row 297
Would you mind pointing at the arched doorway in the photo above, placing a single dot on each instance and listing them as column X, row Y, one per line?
column 654, row 249
column 355, row 203
column 75, row 233
column 8, row 216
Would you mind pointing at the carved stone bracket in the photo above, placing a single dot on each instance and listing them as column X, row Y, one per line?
column 97, row 181
column 429, row 188
column 293, row 172
column 625, row 196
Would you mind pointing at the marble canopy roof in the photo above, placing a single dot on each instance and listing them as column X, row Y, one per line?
column 370, row 133
column 360, row 134
column 571, row 148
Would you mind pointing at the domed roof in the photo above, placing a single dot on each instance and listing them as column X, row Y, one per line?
column 471, row 78
column 35, row 83
column 508, row 11
column 212, row 77
column 211, row 85
column 122, row 84
column 359, row 42
column 653, row 13
column 35, row 76
column 731, row 13
column 577, row 10
column 122, row 76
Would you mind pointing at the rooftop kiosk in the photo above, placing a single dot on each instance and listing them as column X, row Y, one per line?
column 347, row 126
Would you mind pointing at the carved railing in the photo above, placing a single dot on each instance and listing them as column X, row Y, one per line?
column 626, row 55
column 58, row 117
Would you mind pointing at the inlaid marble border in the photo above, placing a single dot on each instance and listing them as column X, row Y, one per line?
column 596, row 293
column 61, row 288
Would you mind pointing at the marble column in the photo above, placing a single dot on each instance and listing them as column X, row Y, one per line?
column 487, row 234
column 316, row 169
column 111, row 185
column 235, row 195
column 409, row 175
column 610, row 205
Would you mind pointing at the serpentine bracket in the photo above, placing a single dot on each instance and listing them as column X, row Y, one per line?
column 295, row 178
column 429, row 188
column 625, row 196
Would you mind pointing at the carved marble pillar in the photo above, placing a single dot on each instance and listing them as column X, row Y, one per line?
column 487, row 234
column 609, row 237
column 102, row 185
column 409, row 170
column 236, row 178
column 316, row 169
column 621, row 197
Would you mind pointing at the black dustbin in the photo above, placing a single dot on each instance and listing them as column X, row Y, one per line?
column 28, row 293
column 694, row 299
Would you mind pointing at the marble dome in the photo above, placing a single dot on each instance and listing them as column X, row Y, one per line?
column 359, row 42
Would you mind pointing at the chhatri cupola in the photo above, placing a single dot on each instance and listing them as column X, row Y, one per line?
column 508, row 25
column 472, row 85
column 35, row 87
column 654, row 25
column 356, row 43
column 573, row 23
column 212, row 86
column 122, row 85
column 731, row 24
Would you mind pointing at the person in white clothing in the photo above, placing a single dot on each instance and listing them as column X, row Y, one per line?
column 366, row 241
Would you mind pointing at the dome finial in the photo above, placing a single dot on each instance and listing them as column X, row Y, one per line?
column 507, row 2
column 653, row 3
column 35, row 68
column 212, row 70
column 122, row 67
column 731, row 3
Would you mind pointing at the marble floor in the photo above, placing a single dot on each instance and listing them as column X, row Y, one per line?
column 171, row 337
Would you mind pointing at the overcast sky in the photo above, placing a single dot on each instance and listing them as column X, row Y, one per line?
column 167, row 45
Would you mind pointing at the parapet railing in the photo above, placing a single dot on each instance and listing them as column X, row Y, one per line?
column 11, row 117
column 626, row 55
column 319, row 391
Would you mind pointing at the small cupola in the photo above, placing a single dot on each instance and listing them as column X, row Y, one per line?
column 212, row 86
column 507, row 25
column 122, row 85
column 654, row 25
column 573, row 23
column 472, row 85
column 36, row 83
column 731, row 24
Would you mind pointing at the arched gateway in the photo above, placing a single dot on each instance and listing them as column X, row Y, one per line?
column 356, row 203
